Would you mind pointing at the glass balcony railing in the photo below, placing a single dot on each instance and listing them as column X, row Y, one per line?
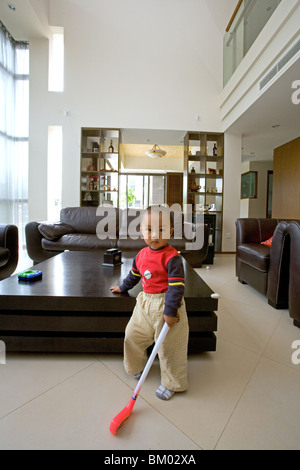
column 247, row 24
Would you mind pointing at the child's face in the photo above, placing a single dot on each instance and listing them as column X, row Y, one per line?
column 155, row 228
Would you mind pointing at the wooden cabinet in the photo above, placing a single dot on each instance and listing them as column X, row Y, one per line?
column 174, row 188
column 99, row 176
column 203, row 177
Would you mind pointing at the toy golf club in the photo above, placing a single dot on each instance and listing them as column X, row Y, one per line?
column 119, row 420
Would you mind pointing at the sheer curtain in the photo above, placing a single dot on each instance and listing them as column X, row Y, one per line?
column 14, row 131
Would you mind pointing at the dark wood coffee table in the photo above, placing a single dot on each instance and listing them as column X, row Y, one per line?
column 73, row 310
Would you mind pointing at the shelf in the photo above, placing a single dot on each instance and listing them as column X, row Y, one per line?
column 89, row 153
column 200, row 156
column 203, row 158
column 98, row 154
column 212, row 158
column 90, row 190
column 95, row 154
column 106, row 154
column 107, row 191
column 204, row 193
column 196, row 158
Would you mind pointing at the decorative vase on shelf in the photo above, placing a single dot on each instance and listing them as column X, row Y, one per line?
column 215, row 150
column 90, row 167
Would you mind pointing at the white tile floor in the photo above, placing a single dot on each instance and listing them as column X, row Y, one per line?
column 243, row 396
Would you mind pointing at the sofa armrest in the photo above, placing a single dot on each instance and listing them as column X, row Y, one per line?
column 294, row 304
column 9, row 238
column 278, row 276
column 34, row 243
column 247, row 231
column 196, row 257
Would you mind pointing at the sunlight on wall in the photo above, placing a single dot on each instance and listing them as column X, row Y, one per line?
column 56, row 61
column 54, row 173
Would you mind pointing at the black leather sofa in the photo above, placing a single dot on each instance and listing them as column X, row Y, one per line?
column 9, row 250
column 87, row 228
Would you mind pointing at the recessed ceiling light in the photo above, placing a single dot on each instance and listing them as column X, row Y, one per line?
column 12, row 7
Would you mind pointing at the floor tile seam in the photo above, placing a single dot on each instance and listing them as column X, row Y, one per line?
column 244, row 390
column 171, row 422
column 261, row 356
column 271, row 337
column 238, row 401
column 142, row 397
column 283, row 364
column 254, row 303
column 238, row 345
column 45, row 392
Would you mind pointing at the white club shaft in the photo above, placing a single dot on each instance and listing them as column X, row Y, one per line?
column 150, row 361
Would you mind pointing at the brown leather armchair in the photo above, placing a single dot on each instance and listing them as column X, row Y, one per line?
column 9, row 250
column 278, row 276
column 253, row 258
column 274, row 271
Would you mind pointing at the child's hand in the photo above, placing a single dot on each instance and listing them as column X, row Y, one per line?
column 170, row 321
column 115, row 290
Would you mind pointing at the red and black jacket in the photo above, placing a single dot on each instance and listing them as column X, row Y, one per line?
column 161, row 271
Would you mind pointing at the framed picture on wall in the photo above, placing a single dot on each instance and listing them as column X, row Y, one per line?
column 249, row 185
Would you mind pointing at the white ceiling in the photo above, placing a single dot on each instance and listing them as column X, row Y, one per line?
column 30, row 20
column 274, row 107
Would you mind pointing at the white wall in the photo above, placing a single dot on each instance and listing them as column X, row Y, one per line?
column 258, row 206
column 128, row 64
column 244, row 203
column 232, row 189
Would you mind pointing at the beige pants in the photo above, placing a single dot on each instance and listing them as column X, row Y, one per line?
column 143, row 329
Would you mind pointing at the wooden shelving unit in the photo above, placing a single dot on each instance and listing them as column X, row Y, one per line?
column 203, row 179
column 99, row 176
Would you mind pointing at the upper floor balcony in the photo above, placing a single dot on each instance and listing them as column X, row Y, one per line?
column 248, row 20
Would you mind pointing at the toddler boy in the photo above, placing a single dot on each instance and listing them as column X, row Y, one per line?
column 160, row 267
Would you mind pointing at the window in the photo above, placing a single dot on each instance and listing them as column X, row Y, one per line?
column 140, row 191
column 14, row 132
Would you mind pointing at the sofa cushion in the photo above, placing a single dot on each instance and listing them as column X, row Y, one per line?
column 86, row 219
column 4, row 256
column 54, row 231
column 130, row 223
column 78, row 242
column 128, row 244
column 255, row 255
